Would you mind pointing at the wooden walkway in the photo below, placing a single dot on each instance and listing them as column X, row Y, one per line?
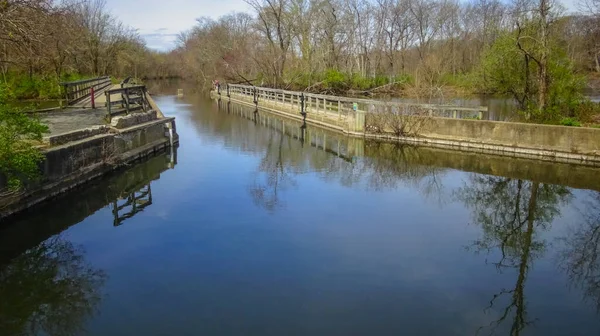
column 80, row 112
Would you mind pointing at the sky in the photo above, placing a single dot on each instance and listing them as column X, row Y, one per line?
column 160, row 21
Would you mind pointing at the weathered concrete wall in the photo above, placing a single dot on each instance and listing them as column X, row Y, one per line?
column 135, row 137
column 61, row 139
column 133, row 119
column 557, row 143
column 69, row 158
column 71, row 164
column 575, row 140
column 574, row 176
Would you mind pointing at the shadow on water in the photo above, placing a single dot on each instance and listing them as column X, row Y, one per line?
column 46, row 284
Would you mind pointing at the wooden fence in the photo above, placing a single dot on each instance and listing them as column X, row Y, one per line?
column 76, row 91
column 133, row 98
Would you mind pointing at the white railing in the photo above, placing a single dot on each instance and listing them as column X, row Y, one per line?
column 340, row 107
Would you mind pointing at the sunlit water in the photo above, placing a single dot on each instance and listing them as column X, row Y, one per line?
column 256, row 227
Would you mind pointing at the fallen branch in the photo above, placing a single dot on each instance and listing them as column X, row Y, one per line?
column 373, row 90
column 309, row 88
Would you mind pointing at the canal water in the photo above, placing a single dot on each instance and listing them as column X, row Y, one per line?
column 259, row 226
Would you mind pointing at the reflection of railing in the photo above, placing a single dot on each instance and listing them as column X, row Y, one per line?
column 133, row 98
column 335, row 107
column 77, row 91
column 343, row 147
column 134, row 203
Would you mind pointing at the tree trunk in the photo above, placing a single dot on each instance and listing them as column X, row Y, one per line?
column 543, row 63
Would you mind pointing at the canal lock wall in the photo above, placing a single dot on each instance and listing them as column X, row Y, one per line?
column 77, row 157
column 578, row 145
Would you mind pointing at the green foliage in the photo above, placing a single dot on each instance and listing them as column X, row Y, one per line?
column 570, row 122
column 335, row 80
column 6, row 93
column 505, row 70
column 22, row 86
column 461, row 80
column 35, row 87
column 502, row 69
column 587, row 111
column 19, row 158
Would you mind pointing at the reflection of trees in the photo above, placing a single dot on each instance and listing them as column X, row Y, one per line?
column 48, row 289
column 391, row 163
column 273, row 174
column 580, row 257
column 511, row 212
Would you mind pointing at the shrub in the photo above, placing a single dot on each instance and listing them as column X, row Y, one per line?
column 18, row 157
column 6, row 93
column 570, row 122
column 335, row 80
column 406, row 122
column 586, row 111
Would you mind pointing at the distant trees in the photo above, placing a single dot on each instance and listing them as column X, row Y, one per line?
column 429, row 44
column 43, row 42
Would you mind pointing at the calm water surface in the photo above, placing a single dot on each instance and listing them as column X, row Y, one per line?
column 258, row 227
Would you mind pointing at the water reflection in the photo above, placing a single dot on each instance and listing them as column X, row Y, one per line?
column 49, row 289
column 272, row 175
column 135, row 202
column 46, row 284
column 512, row 214
column 505, row 197
column 580, row 254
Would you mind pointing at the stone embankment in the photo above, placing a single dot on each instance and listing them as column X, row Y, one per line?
column 78, row 156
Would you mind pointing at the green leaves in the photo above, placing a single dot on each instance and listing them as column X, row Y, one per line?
column 19, row 158
column 512, row 66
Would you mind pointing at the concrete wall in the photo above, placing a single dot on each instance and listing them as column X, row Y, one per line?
column 74, row 163
column 136, row 137
column 575, row 140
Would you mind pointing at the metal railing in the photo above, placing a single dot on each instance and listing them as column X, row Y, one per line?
column 340, row 107
column 77, row 91
column 134, row 203
column 133, row 98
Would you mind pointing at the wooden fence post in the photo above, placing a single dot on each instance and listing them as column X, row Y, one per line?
column 108, row 106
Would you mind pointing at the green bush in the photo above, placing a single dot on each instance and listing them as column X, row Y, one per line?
column 19, row 158
column 586, row 111
column 21, row 86
column 6, row 93
column 335, row 80
column 570, row 122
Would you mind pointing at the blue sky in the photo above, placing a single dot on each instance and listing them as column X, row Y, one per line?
column 159, row 21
